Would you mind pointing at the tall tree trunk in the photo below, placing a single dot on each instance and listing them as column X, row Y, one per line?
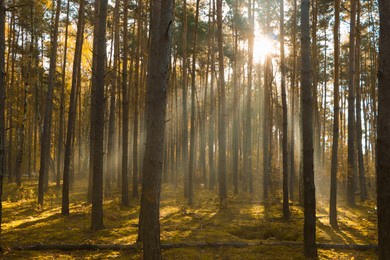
column 286, row 209
column 315, row 76
column 191, row 168
column 111, row 168
column 159, row 60
column 184, row 100
column 236, row 134
column 72, row 108
column 2, row 102
column 310, row 248
column 60, row 144
column 136, row 97
column 45, row 140
column 267, row 115
column 293, row 91
column 97, row 113
column 351, row 110
column 248, row 182
column 212, row 100
column 222, row 112
column 336, row 116
column 125, row 112
column 362, row 178
column 383, row 145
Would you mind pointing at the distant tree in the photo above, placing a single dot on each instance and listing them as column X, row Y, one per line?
column 211, row 128
column 383, row 144
column 157, row 84
column 248, row 179
column 351, row 109
column 97, row 112
column 309, row 233
column 45, row 142
column 184, row 101
column 222, row 112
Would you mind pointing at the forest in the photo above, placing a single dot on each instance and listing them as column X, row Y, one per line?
column 195, row 129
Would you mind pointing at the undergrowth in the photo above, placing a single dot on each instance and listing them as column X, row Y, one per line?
column 245, row 220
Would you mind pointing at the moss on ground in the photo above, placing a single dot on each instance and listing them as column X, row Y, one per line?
column 245, row 220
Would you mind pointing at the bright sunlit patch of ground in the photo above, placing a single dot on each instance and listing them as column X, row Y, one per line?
column 244, row 221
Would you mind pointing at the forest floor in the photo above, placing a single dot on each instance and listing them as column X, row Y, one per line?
column 245, row 220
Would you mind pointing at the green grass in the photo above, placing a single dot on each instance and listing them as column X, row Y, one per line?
column 245, row 220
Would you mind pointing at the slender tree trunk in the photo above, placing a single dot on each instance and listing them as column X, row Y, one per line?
column 293, row 91
column 362, row 178
column 351, row 109
column 286, row 209
column 136, row 105
column 383, row 144
column 97, row 113
column 45, row 140
column 248, row 183
column 191, row 168
column 211, row 142
column 236, row 134
column 72, row 108
column 158, row 74
column 2, row 103
column 336, row 104
column 125, row 112
column 222, row 112
column 310, row 248
column 267, row 116
column 60, row 144
column 184, row 100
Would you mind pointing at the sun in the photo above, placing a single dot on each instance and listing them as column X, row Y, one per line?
column 262, row 47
